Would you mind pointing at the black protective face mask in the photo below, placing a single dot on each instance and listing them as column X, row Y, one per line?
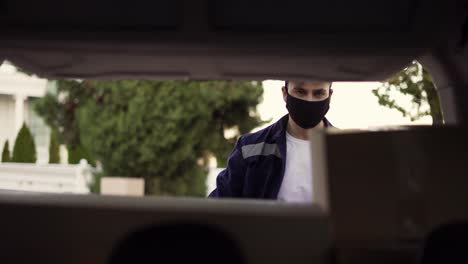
column 307, row 114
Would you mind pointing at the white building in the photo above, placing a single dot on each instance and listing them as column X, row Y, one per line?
column 17, row 94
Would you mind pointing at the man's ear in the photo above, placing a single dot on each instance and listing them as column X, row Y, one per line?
column 331, row 92
column 285, row 93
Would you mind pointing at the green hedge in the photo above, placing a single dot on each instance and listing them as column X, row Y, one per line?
column 24, row 149
column 54, row 148
column 6, row 157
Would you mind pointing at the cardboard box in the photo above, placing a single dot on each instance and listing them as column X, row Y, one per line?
column 122, row 186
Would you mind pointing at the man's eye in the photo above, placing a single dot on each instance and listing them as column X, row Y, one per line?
column 301, row 91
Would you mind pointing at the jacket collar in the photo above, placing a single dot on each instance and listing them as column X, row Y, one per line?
column 280, row 127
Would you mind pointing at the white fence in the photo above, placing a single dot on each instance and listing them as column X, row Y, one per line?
column 55, row 178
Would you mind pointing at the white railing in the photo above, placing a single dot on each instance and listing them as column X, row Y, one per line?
column 55, row 178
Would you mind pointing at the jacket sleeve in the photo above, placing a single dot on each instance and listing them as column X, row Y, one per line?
column 230, row 181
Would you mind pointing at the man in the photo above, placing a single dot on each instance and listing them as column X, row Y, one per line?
column 275, row 162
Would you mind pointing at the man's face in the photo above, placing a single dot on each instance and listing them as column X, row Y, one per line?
column 309, row 91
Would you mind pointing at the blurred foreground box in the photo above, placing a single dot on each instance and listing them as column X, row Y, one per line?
column 122, row 186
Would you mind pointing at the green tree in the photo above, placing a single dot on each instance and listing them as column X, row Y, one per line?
column 54, row 148
column 77, row 153
column 58, row 108
column 163, row 131
column 6, row 152
column 24, row 149
column 413, row 81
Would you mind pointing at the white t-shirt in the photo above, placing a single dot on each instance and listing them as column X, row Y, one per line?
column 297, row 181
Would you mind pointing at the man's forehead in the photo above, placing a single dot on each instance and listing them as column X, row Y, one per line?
column 310, row 85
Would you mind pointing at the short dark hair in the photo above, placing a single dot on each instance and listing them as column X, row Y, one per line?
column 287, row 82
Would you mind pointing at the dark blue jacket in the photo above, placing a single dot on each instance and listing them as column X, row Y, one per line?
column 255, row 168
